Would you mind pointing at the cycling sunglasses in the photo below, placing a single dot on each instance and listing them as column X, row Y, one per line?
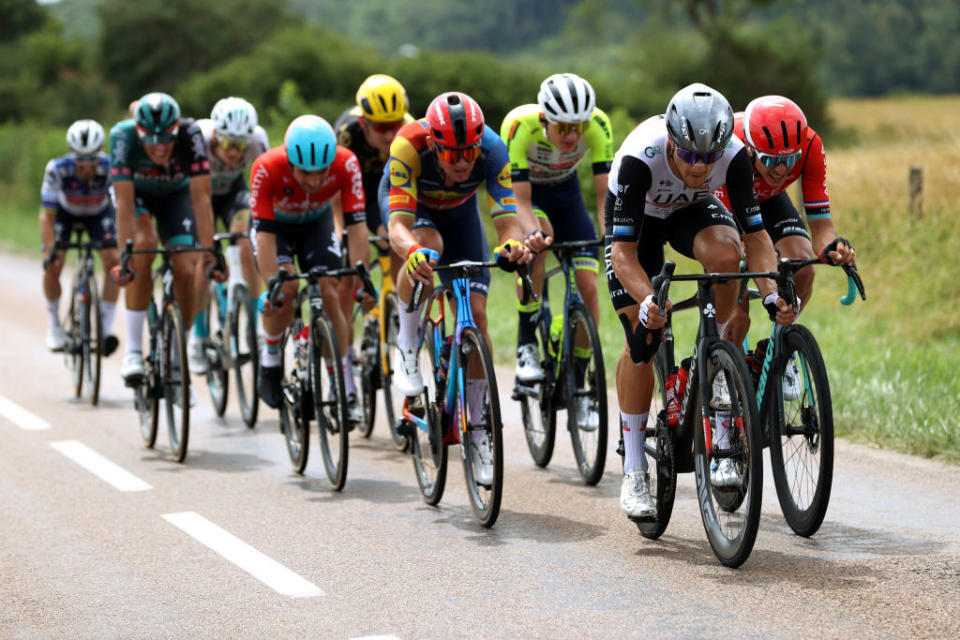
column 227, row 144
column 453, row 155
column 770, row 160
column 85, row 159
column 158, row 138
column 692, row 157
column 563, row 128
column 386, row 127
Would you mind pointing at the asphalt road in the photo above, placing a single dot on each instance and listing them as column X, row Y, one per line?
column 232, row 544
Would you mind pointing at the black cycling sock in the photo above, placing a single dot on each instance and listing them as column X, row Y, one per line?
column 526, row 328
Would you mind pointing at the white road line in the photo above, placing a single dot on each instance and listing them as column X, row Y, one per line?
column 21, row 417
column 376, row 638
column 99, row 466
column 269, row 571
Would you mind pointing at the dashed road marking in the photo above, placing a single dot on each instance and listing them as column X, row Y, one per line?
column 99, row 466
column 263, row 568
column 21, row 417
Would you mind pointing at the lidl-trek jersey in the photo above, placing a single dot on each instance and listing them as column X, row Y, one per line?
column 130, row 162
column 62, row 188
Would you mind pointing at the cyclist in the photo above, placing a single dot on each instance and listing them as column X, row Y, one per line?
column 76, row 190
column 291, row 188
column 367, row 129
column 546, row 142
column 233, row 139
column 784, row 149
column 429, row 190
column 661, row 190
column 160, row 171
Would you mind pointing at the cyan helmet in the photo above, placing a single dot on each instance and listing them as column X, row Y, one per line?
column 310, row 142
column 158, row 117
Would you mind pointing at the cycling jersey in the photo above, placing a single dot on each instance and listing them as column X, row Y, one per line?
column 222, row 175
column 811, row 171
column 533, row 157
column 641, row 183
column 276, row 196
column 416, row 180
column 64, row 190
column 130, row 162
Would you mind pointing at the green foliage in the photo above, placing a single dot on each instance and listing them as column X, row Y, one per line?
column 19, row 17
column 135, row 44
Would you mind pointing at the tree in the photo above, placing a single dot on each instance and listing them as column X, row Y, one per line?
column 18, row 17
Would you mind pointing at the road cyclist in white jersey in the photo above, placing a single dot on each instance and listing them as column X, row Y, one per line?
column 661, row 190
column 234, row 139
column 76, row 191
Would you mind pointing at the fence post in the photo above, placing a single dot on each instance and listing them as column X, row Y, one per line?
column 916, row 191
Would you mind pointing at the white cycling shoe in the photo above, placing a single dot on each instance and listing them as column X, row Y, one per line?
column 132, row 368
column 635, row 499
column 792, row 381
column 482, row 451
column 196, row 356
column 528, row 363
column 724, row 474
column 406, row 372
column 587, row 417
column 56, row 338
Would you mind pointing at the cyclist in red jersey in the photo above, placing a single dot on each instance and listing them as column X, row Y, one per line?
column 291, row 188
column 784, row 149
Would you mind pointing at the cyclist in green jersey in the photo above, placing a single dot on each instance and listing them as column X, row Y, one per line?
column 546, row 142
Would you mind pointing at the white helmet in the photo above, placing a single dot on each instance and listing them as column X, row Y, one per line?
column 234, row 118
column 566, row 97
column 85, row 137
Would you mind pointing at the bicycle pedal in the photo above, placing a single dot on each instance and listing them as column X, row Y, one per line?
column 406, row 428
column 643, row 519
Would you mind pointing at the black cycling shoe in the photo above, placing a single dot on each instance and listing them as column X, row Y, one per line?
column 269, row 386
column 110, row 344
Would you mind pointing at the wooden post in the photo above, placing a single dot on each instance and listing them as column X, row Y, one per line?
column 916, row 191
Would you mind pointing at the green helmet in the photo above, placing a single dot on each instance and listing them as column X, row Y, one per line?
column 158, row 118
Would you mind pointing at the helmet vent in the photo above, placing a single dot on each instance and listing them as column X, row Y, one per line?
column 786, row 136
column 326, row 152
column 766, row 132
column 365, row 105
column 798, row 132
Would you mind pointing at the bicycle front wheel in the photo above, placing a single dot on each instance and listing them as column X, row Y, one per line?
column 728, row 456
column 392, row 401
column 146, row 401
column 218, row 378
column 801, row 423
column 427, row 443
column 73, row 327
column 587, row 399
column 245, row 353
column 329, row 399
column 295, row 403
column 93, row 342
column 365, row 364
column 481, row 432
column 658, row 447
column 537, row 408
column 175, row 379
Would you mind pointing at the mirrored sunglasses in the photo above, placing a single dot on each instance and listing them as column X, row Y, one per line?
column 85, row 159
column 227, row 144
column 692, row 157
column 386, row 127
column 563, row 128
column 453, row 156
column 770, row 160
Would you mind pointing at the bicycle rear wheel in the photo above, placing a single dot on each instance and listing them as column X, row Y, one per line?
column 365, row 361
column 329, row 399
column 218, row 378
column 730, row 513
column 392, row 401
column 801, row 423
column 484, row 496
column 294, row 419
column 146, row 401
column 245, row 353
column 73, row 327
column 430, row 453
column 93, row 342
column 590, row 387
column 175, row 378
column 658, row 446
column 537, row 407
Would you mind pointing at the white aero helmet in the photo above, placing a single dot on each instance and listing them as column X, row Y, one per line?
column 566, row 97
column 234, row 118
column 85, row 137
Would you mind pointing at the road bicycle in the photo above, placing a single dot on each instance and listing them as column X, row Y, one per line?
column 166, row 378
column 794, row 403
column 442, row 414
column 86, row 343
column 718, row 421
column 375, row 337
column 232, row 345
column 312, row 380
column 572, row 361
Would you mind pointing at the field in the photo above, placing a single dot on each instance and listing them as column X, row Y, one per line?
column 892, row 360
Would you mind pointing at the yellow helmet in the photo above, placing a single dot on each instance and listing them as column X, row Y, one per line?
column 382, row 98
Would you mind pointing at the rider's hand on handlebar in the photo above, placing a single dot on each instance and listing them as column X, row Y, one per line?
column 838, row 252
column 650, row 314
column 115, row 275
column 537, row 241
column 511, row 251
column 420, row 263
column 209, row 266
column 779, row 310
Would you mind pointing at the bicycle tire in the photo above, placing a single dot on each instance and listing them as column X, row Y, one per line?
column 659, row 448
column 589, row 445
column 365, row 356
column 294, row 420
column 176, row 381
column 218, row 378
column 147, row 404
column 802, row 453
column 93, row 343
column 331, row 412
column 245, row 353
column 485, row 500
column 731, row 532
column 392, row 401
column 429, row 450
column 539, row 413
column 74, row 329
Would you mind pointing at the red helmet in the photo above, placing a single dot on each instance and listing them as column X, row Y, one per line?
column 455, row 120
column 774, row 125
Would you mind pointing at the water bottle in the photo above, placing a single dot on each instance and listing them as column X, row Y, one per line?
column 556, row 334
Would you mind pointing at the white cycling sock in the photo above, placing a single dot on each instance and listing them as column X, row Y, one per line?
column 348, row 384
column 407, row 337
column 53, row 312
column 634, row 433
column 722, row 421
column 270, row 355
column 135, row 330
column 108, row 311
column 476, row 398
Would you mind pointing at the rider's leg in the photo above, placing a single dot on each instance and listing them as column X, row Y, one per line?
column 717, row 248
column 111, row 291
column 407, row 336
column 137, row 294
column 797, row 246
column 51, row 276
column 634, row 393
